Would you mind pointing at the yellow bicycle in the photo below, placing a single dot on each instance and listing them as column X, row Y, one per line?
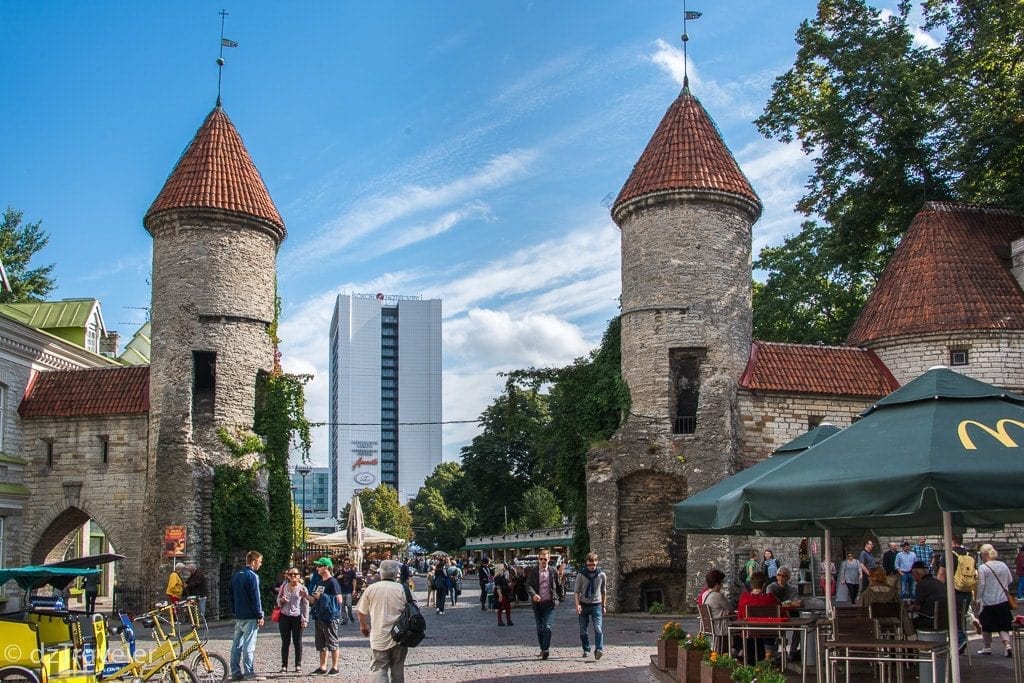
column 163, row 662
column 186, row 625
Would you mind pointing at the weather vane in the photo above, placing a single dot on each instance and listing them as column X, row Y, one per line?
column 224, row 42
column 688, row 15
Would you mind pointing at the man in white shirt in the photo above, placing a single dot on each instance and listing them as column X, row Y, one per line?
column 380, row 606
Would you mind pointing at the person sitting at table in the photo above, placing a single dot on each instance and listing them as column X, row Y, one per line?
column 785, row 592
column 929, row 596
column 763, row 647
column 718, row 606
column 879, row 590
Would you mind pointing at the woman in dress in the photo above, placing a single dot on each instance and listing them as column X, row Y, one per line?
column 292, row 599
column 993, row 582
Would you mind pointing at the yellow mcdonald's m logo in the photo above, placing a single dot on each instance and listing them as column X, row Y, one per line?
column 999, row 433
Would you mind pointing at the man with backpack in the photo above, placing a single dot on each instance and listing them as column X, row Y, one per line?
column 325, row 596
column 380, row 607
column 965, row 582
column 441, row 582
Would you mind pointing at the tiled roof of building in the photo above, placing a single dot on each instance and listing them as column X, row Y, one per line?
column 951, row 272
column 216, row 172
column 77, row 393
column 805, row 369
column 686, row 152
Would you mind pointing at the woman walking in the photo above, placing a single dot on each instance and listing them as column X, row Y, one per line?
column 850, row 571
column 292, row 598
column 770, row 566
column 441, row 585
column 993, row 591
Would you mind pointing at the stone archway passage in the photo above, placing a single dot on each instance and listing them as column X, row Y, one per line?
column 53, row 542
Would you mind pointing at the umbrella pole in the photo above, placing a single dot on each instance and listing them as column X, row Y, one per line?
column 954, row 624
column 827, row 569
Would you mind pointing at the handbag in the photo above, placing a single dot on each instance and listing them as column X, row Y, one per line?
column 1010, row 597
column 275, row 616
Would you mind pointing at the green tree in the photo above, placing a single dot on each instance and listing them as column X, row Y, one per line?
column 18, row 244
column 438, row 523
column 889, row 125
column 503, row 461
column 382, row 511
column 540, row 509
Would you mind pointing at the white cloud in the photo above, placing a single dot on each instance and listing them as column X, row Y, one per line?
column 411, row 235
column 486, row 338
column 377, row 212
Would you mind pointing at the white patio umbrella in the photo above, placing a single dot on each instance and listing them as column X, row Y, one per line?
column 354, row 530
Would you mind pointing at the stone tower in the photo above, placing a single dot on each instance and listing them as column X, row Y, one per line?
column 685, row 214
column 215, row 238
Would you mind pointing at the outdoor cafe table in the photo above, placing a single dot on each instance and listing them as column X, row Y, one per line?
column 806, row 625
column 882, row 652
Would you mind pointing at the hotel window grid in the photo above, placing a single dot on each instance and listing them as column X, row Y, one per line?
column 389, row 340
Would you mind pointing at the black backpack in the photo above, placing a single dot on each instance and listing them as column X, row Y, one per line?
column 411, row 627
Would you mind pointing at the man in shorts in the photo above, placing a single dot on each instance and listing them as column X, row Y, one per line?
column 325, row 596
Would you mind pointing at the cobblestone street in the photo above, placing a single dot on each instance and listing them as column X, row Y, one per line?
column 467, row 645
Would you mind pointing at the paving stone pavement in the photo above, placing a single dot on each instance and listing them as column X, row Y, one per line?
column 465, row 644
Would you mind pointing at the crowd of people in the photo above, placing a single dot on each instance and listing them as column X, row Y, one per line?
column 912, row 576
column 326, row 597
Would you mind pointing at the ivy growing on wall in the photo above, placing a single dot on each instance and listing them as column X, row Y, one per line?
column 245, row 516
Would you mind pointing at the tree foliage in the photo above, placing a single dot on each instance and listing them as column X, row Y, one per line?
column 383, row 511
column 540, row 509
column 890, row 124
column 442, row 512
column 18, row 244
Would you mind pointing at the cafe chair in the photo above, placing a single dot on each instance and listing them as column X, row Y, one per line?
column 714, row 629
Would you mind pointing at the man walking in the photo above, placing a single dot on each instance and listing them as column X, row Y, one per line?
column 248, row 609
column 591, row 601
column 892, row 576
column 543, row 587
column 325, row 596
column 380, row 606
column 867, row 563
column 347, row 580
column 91, row 586
column 195, row 585
column 486, row 576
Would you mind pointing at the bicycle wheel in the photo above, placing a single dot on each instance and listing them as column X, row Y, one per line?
column 18, row 674
column 216, row 672
column 178, row 673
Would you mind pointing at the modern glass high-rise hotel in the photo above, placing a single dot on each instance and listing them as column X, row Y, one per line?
column 385, row 393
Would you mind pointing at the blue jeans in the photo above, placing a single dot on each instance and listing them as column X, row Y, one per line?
column 243, row 647
column 544, row 614
column 907, row 585
column 597, row 613
column 1020, row 588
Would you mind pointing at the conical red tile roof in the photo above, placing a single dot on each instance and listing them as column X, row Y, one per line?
column 950, row 273
column 216, row 172
column 685, row 153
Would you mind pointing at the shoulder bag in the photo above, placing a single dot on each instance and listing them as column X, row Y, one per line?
column 411, row 627
column 1010, row 597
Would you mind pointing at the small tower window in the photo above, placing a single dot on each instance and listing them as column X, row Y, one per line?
column 48, row 451
column 204, row 370
column 813, row 421
column 684, row 368
column 958, row 357
column 104, row 442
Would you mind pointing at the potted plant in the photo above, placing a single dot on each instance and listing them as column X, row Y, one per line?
column 717, row 668
column 761, row 673
column 668, row 645
column 691, row 652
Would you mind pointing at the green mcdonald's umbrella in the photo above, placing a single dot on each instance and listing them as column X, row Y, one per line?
column 941, row 451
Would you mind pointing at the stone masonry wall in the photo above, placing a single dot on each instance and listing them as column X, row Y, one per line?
column 79, row 485
column 213, row 291
column 995, row 357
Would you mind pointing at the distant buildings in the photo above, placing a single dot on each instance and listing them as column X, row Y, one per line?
column 385, row 393
column 312, row 495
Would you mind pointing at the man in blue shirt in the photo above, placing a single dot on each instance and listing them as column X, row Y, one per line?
column 248, row 609
column 904, row 564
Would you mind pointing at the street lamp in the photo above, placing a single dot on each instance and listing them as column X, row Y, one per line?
column 303, row 471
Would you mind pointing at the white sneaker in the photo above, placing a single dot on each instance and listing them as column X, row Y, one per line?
column 985, row 651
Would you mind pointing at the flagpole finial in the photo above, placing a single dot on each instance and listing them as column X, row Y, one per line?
column 224, row 42
column 688, row 15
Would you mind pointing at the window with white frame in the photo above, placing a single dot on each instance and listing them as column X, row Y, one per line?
column 92, row 337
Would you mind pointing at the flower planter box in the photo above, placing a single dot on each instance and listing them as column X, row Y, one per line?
column 688, row 668
column 668, row 654
column 711, row 674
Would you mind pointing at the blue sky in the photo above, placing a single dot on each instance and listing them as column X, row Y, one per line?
column 461, row 149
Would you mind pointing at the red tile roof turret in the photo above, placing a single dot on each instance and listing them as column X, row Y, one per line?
column 216, row 172
column 686, row 152
column 77, row 393
column 805, row 369
column 950, row 273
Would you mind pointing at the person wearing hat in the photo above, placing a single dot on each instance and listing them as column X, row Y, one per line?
column 929, row 596
column 325, row 596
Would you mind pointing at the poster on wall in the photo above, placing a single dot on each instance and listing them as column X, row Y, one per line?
column 174, row 541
